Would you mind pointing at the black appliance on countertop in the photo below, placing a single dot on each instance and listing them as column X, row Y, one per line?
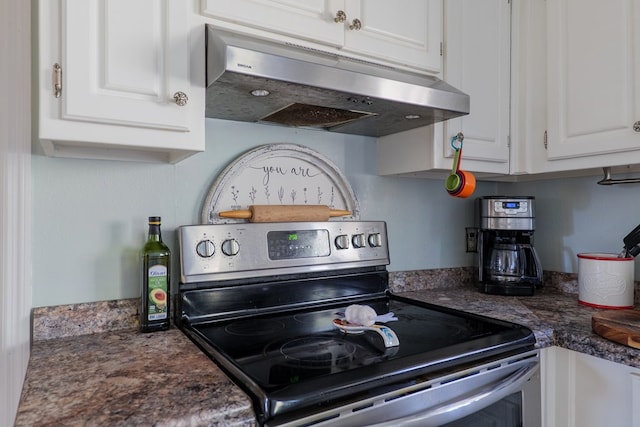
column 260, row 299
column 508, row 263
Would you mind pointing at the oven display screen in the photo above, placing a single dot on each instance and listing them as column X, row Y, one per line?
column 298, row 244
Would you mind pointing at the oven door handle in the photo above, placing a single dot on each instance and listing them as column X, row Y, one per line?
column 460, row 408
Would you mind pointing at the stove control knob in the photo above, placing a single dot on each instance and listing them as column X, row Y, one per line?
column 230, row 247
column 342, row 241
column 375, row 240
column 358, row 241
column 205, row 248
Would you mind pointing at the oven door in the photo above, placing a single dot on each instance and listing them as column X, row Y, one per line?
column 502, row 393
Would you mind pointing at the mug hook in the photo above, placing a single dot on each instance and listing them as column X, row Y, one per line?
column 457, row 138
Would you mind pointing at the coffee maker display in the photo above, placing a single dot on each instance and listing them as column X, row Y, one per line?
column 507, row 261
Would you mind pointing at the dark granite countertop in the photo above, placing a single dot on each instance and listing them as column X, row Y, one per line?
column 98, row 370
column 126, row 378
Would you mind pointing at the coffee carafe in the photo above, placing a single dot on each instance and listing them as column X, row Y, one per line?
column 513, row 262
column 508, row 263
column 505, row 262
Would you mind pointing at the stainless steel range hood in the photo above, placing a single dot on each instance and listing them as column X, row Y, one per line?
column 259, row 81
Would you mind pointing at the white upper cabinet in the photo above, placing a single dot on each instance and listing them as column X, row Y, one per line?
column 562, row 99
column 476, row 61
column 100, row 39
column 123, row 76
column 593, row 81
column 405, row 33
column 314, row 20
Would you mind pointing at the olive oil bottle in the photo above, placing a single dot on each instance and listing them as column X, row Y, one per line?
column 156, row 274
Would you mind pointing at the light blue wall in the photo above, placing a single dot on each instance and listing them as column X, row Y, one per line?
column 577, row 215
column 90, row 216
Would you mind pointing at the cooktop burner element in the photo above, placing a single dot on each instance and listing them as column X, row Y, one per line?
column 255, row 328
column 269, row 322
column 318, row 351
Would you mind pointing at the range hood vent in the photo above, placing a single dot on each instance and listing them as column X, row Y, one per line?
column 259, row 81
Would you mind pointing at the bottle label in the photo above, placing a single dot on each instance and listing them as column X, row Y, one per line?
column 158, row 296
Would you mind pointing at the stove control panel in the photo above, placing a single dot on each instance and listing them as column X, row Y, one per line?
column 234, row 251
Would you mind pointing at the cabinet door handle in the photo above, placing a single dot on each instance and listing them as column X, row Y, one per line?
column 340, row 16
column 180, row 98
column 356, row 25
column 56, row 80
column 607, row 180
column 636, row 126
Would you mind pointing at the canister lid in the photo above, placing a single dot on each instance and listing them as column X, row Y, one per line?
column 604, row 256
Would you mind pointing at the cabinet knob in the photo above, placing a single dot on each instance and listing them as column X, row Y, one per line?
column 356, row 25
column 340, row 16
column 180, row 98
column 636, row 126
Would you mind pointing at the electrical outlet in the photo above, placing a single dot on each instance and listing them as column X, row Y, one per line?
column 472, row 239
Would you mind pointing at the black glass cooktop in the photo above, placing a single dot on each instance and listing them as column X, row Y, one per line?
column 283, row 350
column 278, row 341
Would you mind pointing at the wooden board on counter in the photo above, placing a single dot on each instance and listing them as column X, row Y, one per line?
column 621, row 326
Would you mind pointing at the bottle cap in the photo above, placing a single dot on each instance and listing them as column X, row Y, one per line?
column 154, row 220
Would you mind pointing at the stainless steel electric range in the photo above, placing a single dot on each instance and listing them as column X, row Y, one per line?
column 262, row 301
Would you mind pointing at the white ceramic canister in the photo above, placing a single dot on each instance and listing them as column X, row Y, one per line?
column 605, row 281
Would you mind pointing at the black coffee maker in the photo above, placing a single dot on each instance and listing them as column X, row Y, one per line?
column 507, row 261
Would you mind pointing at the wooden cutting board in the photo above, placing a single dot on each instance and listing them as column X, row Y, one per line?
column 621, row 326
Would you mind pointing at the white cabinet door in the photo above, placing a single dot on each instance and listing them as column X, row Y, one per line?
column 593, row 78
column 404, row 33
column 313, row 20
column 477, row 61
column 528, row 87
column 585, row 391
column 407, row 32
column 121, row 64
